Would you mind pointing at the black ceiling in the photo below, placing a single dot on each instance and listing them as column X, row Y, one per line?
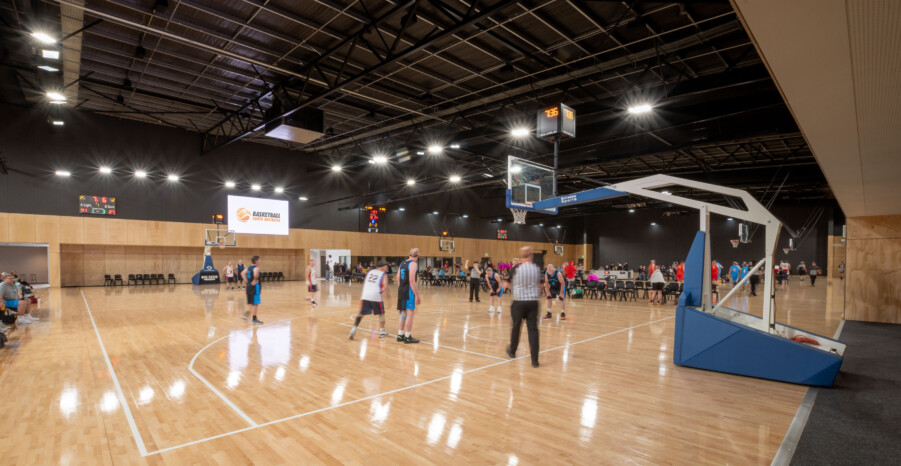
column 393, row 77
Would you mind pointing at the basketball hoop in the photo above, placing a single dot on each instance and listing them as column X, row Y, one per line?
column 734, row 243
column 519, row 216
column 222, row 243
column 785, row 250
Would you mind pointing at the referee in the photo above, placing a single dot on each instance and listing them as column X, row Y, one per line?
column 526, row 278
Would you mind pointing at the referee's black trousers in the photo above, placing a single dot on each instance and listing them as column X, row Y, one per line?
column 527, row 310
column 474, row 285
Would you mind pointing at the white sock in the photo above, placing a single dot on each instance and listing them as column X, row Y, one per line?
column 407, row 334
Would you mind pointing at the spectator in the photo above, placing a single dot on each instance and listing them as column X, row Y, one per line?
column 841, row 270
column 475, row 279
column 714, row 272
column 755, row 280
column 657, row 284
column 570, row 272
column 680, row 272
column 593, row 277
column 10, row 295
column 651, row 268
column 814, row 273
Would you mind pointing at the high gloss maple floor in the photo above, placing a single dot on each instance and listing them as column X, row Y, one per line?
column 191, row 382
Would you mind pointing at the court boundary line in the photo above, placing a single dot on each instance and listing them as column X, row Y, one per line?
column 122, row 401
column 435, row 344
column 221, row 396
column 391, row 392
column 789, row 444
column 467, row 335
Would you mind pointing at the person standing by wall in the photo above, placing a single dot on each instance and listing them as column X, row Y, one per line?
column 526, row 279
column 657, row 284
column 475, row 279
column 841, row 270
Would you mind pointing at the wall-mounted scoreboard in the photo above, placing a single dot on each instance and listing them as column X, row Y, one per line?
column 96, row 205
column 559, row 120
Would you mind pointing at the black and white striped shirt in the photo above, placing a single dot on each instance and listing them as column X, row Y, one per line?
column 525, row 281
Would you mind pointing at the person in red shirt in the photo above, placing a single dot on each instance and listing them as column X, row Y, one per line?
column 714, row 273
column 570, row 272
column 680, row 272
column 651, row 268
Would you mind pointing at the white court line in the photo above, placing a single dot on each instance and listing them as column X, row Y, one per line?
column 429, row 382
column 217, row 392
column 440, row 346
column 466, row 333
column 131, row 421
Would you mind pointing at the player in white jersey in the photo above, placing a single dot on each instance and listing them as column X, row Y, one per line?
column 375, row 289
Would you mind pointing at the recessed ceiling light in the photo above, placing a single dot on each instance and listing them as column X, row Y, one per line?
column 336, row 168
column 541, row 224
column 558, row 226
column 653, row 224
column 56, row 96
column 303, row 198
column 279, row 189
column 500, row 220
column 516, row 168
column 631, row 211
column 411, row 182
column 48, row 68
column 640, row 108
column 172, row 177
column 229, row 184
column 435, row 149
column 379, row 159
column 435, row 212
column 465, row 215
column 256, row 187
column 487, row 175
column 50, row 54
column 420, row 152
column 455, row 178
column 140, row 174
column 519, row 132
column 43, row 37
column 58, row 122
column 106, row 170
column 455, row 146
column 730, row 219
column 63, row 173
column 666, row 193
column 401, row 209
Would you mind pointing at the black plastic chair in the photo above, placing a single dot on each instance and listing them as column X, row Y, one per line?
column 132, row 278
column 107, row 280
column 172, row 278
column 631, row 291
column 281, row 276
column 139, row 278
column 592, row 289
column 117, row 279
column 639, row 286
column 619, row 290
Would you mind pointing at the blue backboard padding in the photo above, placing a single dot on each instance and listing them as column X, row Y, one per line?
column 708, row 342
column 576, row 198
column 693, row 282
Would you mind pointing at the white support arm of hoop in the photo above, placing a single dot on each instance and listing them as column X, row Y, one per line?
column 644, row 187
column 207, row 250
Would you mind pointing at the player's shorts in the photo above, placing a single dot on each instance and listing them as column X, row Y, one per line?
column 555, row 293
column 11, row 304
column 229, row 279
column 253, row 295
column 313, row 288
column 657, row 286
column 371, row 307
column 406, row 303
column 241, row 277
column 495, row 289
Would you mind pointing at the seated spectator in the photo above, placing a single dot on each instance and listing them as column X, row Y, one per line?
column 9, row 293
column 592, row 277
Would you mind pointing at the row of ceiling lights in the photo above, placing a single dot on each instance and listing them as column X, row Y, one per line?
column 172, row 177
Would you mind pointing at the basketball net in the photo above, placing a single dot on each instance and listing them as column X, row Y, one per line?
column 785, row 250
column 734, row 243
column 519, row 216
column 221, row 243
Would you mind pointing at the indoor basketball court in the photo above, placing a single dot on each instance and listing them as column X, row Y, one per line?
column 278, row 232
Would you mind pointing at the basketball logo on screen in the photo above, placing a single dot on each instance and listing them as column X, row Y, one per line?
column 243, row 215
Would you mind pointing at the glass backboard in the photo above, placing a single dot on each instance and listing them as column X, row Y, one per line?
column 529, row 182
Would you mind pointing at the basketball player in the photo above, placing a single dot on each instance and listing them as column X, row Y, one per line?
column 407, row 296
column 375, row 289
column 253, row 288
column 241, row 282
column 734, row 272
column 312, row 288
column 496, row 289
column 555, row 287
column 229, row 276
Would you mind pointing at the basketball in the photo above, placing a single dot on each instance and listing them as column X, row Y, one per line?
column 243, row 215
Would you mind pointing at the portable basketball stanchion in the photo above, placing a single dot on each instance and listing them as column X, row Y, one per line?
column 208, row 275
column 715, row 337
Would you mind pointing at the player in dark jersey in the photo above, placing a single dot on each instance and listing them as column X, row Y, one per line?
column 241, row 282
column 253, row 288
column 407, row 296
column 555, row 287
column 496, row 289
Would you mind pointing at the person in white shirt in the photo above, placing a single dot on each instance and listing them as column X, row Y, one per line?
column 657, row 284
column 312, row 286
column 229, row 277
column 375, row 290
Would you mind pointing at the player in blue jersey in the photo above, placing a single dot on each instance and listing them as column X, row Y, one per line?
column 496, row 290
column 407, row 296
column 555, row 287
column 253, row 288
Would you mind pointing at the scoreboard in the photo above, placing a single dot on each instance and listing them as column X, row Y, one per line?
column 559, row 120
column 501, row 234
column 96, row 205
column 374, row 213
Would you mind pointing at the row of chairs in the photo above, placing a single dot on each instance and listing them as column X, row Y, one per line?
column 272, row 277
column 142, row 278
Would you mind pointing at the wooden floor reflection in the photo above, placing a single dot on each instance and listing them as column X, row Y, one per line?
column 193, row 383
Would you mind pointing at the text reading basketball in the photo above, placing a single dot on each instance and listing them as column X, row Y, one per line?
column 257, row 216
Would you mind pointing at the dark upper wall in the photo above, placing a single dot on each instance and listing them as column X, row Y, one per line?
column 621, row 236
column 34, row 150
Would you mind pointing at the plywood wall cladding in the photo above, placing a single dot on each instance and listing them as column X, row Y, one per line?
column 83, row 249
column 873, row 276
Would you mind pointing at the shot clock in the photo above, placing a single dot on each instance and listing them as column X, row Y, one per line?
column 556, row 121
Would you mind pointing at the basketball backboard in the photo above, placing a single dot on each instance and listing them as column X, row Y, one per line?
column 221, row 238
column 529, row 182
